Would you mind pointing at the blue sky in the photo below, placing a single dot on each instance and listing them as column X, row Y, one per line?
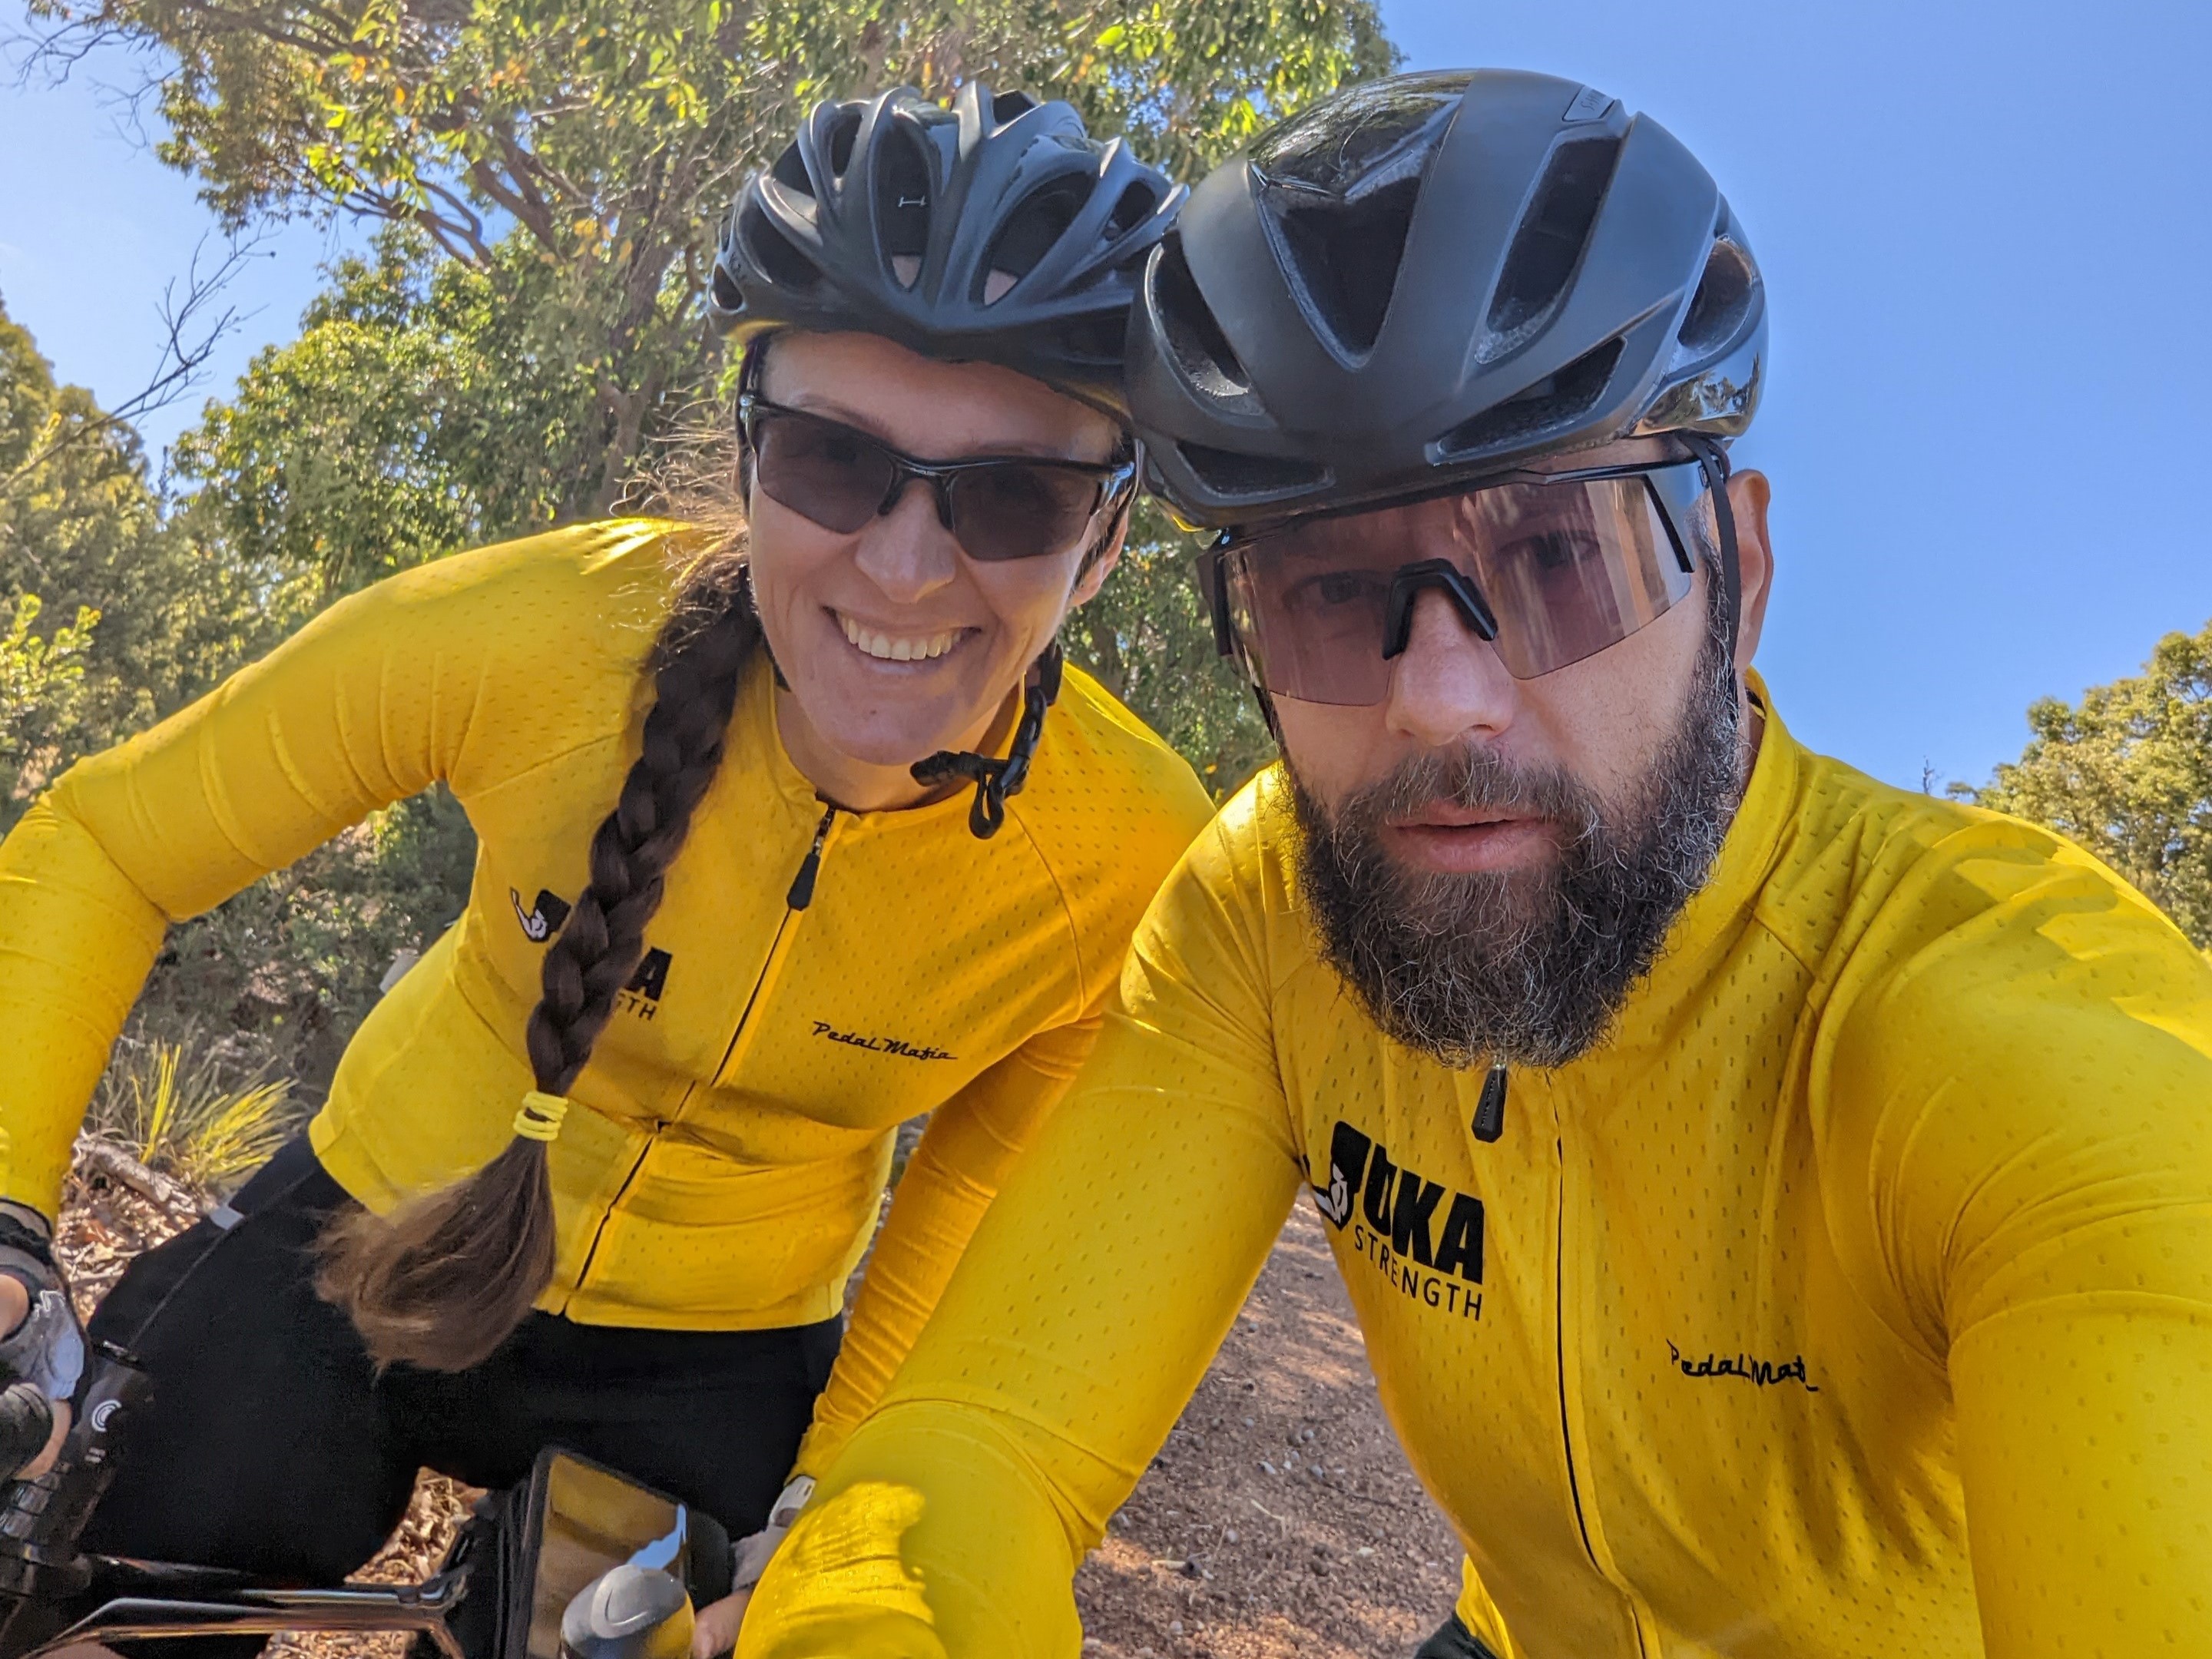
column 1987, row 234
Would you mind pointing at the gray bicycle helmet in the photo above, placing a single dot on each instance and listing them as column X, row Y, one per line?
column 1434, row 277
column 997, row 229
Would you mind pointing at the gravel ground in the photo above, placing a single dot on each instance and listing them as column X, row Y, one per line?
column 1279, row 1521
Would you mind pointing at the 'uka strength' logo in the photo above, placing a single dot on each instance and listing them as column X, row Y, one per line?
column 544, row 919
column 1431, row 1251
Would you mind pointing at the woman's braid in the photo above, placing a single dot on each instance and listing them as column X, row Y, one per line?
column 695, row 690
column 443, row 1281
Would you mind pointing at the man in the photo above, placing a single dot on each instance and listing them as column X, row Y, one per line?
column 1778, row 1206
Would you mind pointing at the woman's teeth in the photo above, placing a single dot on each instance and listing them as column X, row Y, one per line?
column 888, row 648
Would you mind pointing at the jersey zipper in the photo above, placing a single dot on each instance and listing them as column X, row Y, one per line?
column 1559, row 1350
column 800, row 895
column 1567, row 1413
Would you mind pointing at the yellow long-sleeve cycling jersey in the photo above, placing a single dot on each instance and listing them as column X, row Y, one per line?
column 1853, row 1299
column 727, row 1171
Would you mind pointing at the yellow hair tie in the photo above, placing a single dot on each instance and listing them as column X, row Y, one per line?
column 540, row 1116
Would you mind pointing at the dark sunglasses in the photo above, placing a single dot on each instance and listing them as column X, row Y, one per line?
column 1549, row 567
column 996, row 507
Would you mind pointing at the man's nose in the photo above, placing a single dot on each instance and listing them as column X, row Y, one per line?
column 907, row 552
column 1448, row 683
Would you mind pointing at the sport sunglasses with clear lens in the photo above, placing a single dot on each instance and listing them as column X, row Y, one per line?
column 997, row 507
column 1550, row 569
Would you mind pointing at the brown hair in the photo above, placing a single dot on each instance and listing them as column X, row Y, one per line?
column 443, row 1281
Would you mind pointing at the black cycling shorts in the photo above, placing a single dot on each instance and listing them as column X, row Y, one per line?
column 272, row 1446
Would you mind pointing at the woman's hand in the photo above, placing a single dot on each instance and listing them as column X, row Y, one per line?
column 15, row 1308
column 42, row 1345
column 715, row 1629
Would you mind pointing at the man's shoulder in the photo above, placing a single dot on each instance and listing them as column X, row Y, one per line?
column 1864, row 863
column 1967, row 935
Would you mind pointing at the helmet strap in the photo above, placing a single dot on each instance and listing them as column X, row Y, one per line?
column 995, row 778
column 1715, row 462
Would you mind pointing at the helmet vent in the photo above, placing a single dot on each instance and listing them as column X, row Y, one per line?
column 1722, row 299
column 1008, row 106
column 1029, row 234
column 1138, row 204
column 1558, row 399
column 903, row 191
column 790, row 171
column 842, row 136
column 1549, row 242
column 1344, row 256
column 771, row 251
column 727, row 296
column 1193, row 338
column 1229, row 474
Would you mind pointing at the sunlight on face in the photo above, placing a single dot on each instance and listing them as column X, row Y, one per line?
column 895, row 644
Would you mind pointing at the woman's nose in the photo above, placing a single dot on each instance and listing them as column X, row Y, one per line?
column 907, row 552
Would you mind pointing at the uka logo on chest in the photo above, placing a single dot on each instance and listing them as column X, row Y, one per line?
column 1428, row 1249
column 544, row 919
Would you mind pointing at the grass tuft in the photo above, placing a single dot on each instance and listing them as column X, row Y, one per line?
column 180, row 1107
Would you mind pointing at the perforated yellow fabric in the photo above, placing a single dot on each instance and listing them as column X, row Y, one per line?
column 733, row 1131
column 1854, row 1300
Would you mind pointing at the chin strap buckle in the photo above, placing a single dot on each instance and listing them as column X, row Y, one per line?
column 994, row 779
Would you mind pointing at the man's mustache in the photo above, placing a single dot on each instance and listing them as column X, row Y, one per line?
column 1472, row 777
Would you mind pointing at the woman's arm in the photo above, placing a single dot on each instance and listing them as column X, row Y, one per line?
column 376, row 698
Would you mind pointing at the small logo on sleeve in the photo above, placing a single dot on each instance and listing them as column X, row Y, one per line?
column 544, row 917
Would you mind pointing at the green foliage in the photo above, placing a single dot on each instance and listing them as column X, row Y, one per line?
column 185, row 1109
column 288, row 968
column 83, row 534
column 41, row 686
column 163, row 608
column 2127, row 774
column 610, row 134
column 416, row 413
column 525, row 331
column 1148, row 639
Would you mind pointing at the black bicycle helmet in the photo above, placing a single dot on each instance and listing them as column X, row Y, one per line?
column 1436, row 276
column 996, row 229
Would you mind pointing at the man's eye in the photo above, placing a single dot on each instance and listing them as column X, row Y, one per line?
column 1551, row 549
column 1338, row 588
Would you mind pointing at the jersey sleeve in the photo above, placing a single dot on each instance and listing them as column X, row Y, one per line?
column 2025, row 1101
column 1078, row 1323
column 949, row 1181
column 373, row 701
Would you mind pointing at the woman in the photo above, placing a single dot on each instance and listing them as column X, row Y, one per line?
column 777, row 848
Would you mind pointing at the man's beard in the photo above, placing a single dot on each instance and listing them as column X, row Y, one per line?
column 1525, row 966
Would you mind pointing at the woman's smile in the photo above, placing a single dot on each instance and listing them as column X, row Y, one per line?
column 888, row 642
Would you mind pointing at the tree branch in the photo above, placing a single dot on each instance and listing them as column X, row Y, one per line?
column 191, row 340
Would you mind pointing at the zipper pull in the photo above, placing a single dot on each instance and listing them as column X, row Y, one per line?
column 802, row 884
column 1490, row 1110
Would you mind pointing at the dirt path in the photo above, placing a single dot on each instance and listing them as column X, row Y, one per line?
column 1279, row 1520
